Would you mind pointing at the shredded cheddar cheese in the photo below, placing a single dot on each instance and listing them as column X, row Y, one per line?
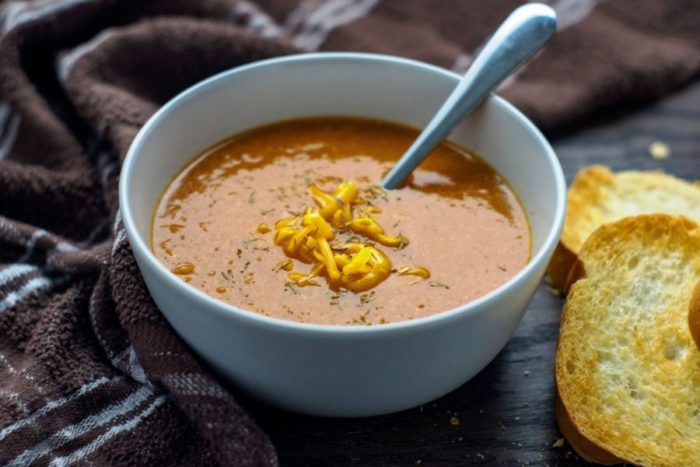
column 310, row 238
column 414, row 271
column 363, row 267
column 368, row 227
column 336, row 207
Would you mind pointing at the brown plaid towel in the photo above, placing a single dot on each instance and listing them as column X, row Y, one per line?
column 91, row 372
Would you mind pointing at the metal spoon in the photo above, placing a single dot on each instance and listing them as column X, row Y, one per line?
column 522, row 34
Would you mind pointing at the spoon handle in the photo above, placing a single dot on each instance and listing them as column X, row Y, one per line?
column 522, row 34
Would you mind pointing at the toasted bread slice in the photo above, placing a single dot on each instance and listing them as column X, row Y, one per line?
column 627, row 369
column 598, row 196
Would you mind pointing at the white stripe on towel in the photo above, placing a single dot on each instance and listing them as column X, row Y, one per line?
column 111, row 433
column 56, row 403
column 86, row 425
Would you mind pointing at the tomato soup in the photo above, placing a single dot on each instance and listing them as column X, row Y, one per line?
column 229, row 222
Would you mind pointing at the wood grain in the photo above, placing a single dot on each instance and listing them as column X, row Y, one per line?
column 506, row 413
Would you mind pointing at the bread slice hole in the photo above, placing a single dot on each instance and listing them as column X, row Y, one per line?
column 673, row 351
column 570, row 368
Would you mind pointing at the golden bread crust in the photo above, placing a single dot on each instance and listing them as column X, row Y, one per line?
column 694, row 315
column 576, row 272
column 560, row 265
column 585, row 448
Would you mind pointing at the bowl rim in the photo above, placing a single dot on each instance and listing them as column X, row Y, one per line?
column 481, row 303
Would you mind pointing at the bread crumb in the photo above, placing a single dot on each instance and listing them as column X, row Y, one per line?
column 659, row 150
column 418, row 462
column 454, row 421
column 480, row 455
column 558, row 443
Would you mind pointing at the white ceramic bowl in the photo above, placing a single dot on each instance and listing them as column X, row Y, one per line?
column 345, row 371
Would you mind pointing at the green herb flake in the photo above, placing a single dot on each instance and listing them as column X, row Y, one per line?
column 367, row 297
column 403, row 243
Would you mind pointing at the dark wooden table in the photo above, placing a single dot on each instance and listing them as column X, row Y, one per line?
column 506, row 413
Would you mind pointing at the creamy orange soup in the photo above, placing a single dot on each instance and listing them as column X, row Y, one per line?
column 214, row 224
